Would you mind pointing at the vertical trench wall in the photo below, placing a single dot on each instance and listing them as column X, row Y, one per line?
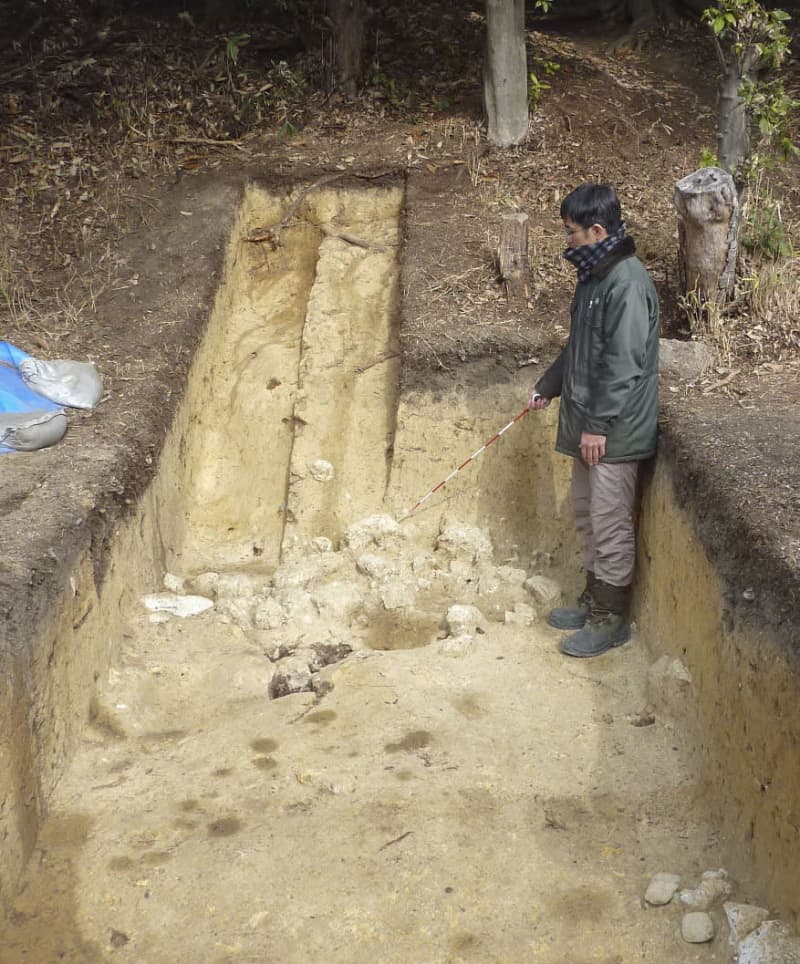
column 745, row 694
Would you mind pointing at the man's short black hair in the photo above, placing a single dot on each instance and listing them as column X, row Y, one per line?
column 593, row 204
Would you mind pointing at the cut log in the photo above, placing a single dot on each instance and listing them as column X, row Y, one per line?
column 708, row 208
column 514, row 264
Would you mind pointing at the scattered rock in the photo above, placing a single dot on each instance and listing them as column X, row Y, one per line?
column 546, row 592
column 173, row 583
column 338, row 601
column 327, row 653
column 182, row 606
column 684, row 359
column 771, row 943
column 379, row 530
column 396, row 595
column 321, row 470
column 456, row 646
column 521, row 615
column 374, row 566
column 229, row 585
column 512, row 575
column 238, row 611
column 464, row 542
column 269, row 614
column 661, row 889
column 463, row 620
column 292, row 675
column 713, row 886
column 668, row 683
column 321, row 544
column 697, row 927
column 743, row 919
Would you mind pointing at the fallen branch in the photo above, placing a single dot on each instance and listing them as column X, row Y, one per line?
column 329, row 232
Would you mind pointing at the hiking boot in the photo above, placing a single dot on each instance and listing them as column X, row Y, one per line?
column 606, row 625
column 573, row 617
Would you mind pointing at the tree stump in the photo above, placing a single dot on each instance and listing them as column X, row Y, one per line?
column 514, row 264
column 708, row 206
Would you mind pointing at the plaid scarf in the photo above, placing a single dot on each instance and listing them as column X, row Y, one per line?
column 588, row 255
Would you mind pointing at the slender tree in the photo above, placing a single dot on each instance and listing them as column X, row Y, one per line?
column 505, row 73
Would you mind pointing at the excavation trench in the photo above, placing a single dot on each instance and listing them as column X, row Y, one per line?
column 331, row 763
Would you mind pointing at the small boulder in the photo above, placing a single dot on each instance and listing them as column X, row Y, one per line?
column 397, row 595
column 697, row 927
column 661, row 889
column 292, row 675
column 373, row 566
column 546, row 592
column 461, row 620
column 684, row 359
column 668, row 683
column 269, row 614
column 771, row 943
column 379, row 530
column 464, row 542
column 521, row 615
column 457, row 646
column 743, row 919
column 321, row 471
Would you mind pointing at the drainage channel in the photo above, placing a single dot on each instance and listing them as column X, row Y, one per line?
column 368, row 748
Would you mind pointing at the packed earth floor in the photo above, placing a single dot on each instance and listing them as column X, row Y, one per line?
column 367, row 746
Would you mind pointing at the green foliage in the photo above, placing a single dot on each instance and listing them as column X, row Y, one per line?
column 537, row 86
column 763, row 232
column 708, row 158
column 757, row 39
column 233, row 44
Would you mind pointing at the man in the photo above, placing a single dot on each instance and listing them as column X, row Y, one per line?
column 607, row 377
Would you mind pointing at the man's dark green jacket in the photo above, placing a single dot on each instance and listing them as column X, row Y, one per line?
column 607, row 374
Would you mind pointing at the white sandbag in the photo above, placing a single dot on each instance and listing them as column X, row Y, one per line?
column 72, row 383
column 28, row 431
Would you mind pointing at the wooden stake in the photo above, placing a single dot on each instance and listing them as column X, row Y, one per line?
column 514, row 265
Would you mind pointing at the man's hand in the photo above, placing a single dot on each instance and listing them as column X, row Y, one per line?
column 593, row 447
column 537, row 401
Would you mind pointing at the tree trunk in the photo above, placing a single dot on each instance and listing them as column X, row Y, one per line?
column 346, row 18
column 505, row 72
column 514, row 265
column 708, row 206
column 732, row 139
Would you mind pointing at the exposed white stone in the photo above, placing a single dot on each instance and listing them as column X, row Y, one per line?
column 743, row 919
column 463, row 620
column 546, row 592
column 299, row 606
column 397, row 595
column 338, row 600
column 269, row 614
column 713, row 886
column 182, row 606
column 374, row 566
column 321, row 544
column 661, row 889
column 464, row 542
column 379, row 530
column 321, row 470
column 697, row 927
column 668, row 683
column 771, row 943
column 521, row 615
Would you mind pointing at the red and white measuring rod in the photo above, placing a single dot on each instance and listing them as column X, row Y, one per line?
column 466, row 462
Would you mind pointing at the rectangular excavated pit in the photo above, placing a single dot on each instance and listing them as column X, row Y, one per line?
column 200, row 820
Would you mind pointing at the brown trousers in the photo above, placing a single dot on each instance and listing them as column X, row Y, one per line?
column 603, row 499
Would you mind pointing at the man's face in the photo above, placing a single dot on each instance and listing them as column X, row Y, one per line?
column 577, row 236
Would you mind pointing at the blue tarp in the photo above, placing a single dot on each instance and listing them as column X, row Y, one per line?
column 15, row 396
